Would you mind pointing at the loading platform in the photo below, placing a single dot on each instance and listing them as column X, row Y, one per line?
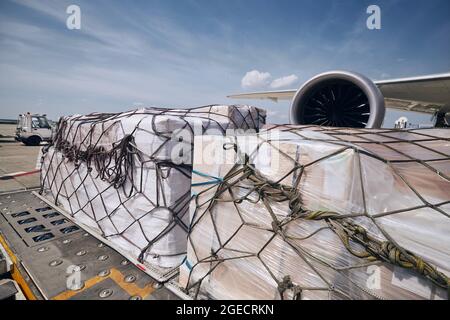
column 55, row 259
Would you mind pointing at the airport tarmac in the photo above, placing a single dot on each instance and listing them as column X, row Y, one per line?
column 15, row 157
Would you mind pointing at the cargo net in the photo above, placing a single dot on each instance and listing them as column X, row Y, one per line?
column 259, row 235
column 128, row 175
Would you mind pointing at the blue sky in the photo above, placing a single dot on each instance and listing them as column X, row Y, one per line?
column 191, row 53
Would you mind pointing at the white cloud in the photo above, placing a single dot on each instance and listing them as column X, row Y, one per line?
column 255, row 79
column 258, row 79
column 284, row 81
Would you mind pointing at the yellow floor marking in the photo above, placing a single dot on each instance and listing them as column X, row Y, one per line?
column 131, row 288
column 17, row 276
column 66, row 295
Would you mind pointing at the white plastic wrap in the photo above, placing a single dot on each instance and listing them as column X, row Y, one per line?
column 234, row 252
column 146, row 215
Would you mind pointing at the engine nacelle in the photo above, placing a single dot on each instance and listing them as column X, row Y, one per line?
column 338, row 99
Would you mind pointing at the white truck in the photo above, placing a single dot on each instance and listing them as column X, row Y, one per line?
column 32, row 129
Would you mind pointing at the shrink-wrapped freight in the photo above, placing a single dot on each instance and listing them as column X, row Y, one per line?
column 320, row 213
column 127, row 175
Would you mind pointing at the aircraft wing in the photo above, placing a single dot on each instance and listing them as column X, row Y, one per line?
column 422, row 94
column 271, row 95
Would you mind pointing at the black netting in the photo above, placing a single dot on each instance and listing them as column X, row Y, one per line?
column 128, row 175
column 309, row 212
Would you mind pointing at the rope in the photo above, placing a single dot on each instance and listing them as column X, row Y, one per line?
column 86, row 150
column 255, row 188
column 347, row 230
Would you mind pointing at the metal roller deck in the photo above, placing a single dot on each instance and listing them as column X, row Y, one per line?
column 46, row 248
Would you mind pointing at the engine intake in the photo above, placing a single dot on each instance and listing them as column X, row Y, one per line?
column 338, row 99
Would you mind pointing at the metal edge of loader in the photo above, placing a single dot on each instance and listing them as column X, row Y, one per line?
column 174, row 287
column 166, row 278
column 19, row 295
column 19, row 274
column 8, row 261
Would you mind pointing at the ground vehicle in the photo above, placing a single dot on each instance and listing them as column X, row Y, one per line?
column 32, row 129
